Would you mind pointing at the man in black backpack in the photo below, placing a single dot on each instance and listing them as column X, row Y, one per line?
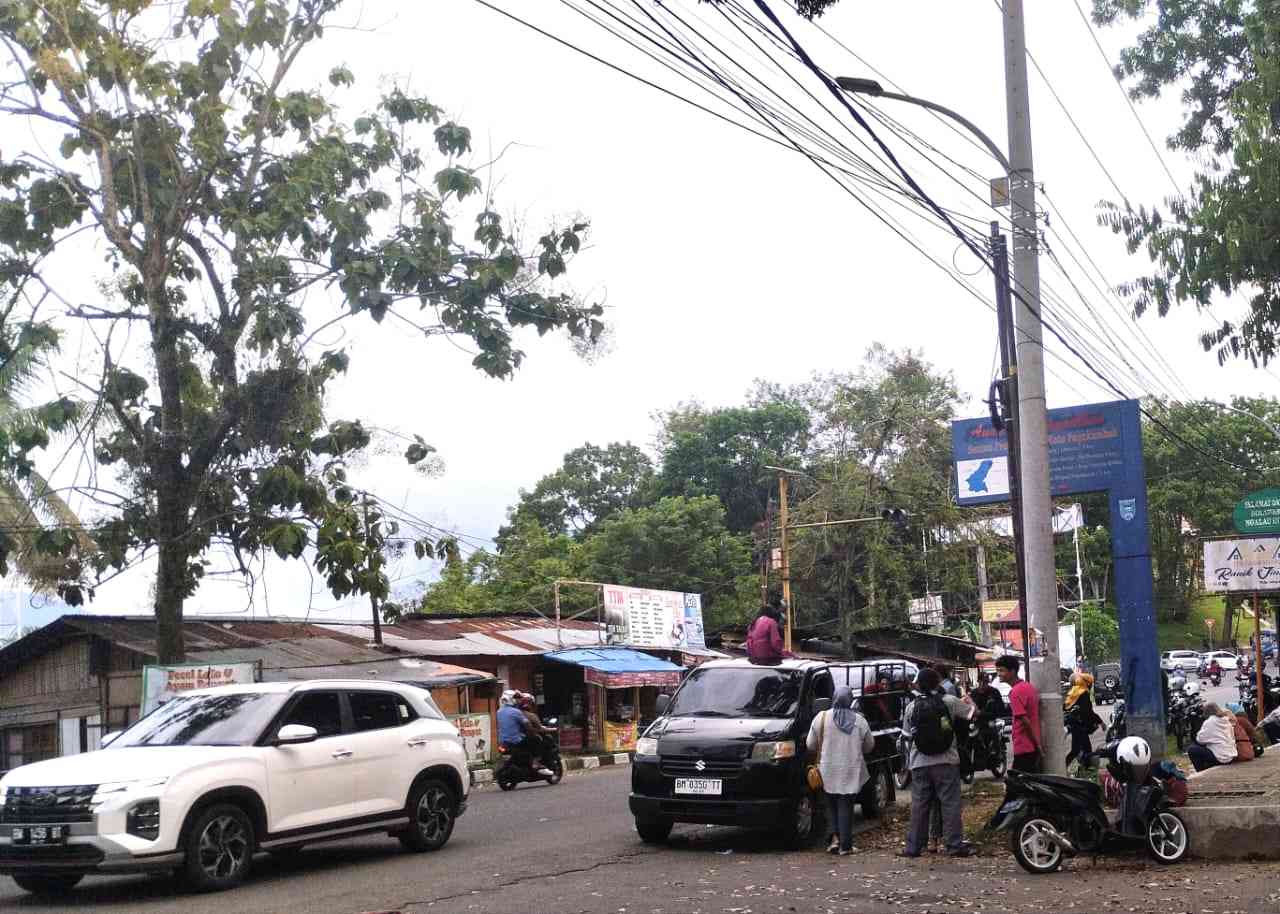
column 935, row 765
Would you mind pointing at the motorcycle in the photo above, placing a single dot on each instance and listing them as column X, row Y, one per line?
column 519, row 767
column 982, row 745
column 1185, row 715
column 901, row 773
column 1050, row 817
column 1117, row 729
column 1249, row 697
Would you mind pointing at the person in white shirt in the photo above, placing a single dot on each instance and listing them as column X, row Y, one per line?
column 1215, row 744
column 842, row 738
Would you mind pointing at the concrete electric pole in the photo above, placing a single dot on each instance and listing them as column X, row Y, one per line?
column 1037, row 506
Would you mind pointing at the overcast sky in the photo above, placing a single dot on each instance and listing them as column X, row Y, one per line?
column 720, row 258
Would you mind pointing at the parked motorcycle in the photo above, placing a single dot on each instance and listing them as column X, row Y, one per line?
column 1050, row 817
column 1249, row 697
column 519, row 767
column 982, row 745
column 1184, row 716
column 901, row 773
column 1117, row 729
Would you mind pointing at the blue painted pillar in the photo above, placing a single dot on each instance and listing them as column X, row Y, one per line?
column 1135, row 596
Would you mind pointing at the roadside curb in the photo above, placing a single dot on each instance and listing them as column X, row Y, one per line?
column 573, row 763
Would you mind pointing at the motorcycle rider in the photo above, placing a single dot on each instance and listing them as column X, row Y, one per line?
column 536, row 732
column 513, row 731
column 1215, row 670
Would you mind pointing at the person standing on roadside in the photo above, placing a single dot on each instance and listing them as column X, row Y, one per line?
column 929, row 722
column 1024, row 701
column 841, row 738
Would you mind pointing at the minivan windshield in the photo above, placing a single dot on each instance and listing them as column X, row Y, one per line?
column 226, row 719
column 738, row 692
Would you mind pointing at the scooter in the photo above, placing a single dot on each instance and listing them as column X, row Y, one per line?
column 983, row 746
column 1117, row 729
column 519, row 767
column 1050, row 818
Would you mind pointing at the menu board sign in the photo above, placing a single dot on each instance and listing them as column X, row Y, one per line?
column 654, row 618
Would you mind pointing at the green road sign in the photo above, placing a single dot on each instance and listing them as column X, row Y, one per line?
column 1259, row 512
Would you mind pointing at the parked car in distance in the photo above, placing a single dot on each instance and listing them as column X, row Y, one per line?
column 1226, row 659
column 1187, row 661
column 213, row 776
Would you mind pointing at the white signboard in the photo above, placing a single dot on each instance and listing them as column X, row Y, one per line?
column 160, row 683
column 988, row 476
column 1244, row 564
column 654, row 618
column 475, row 733
column 926, row 610
column 1067, row 647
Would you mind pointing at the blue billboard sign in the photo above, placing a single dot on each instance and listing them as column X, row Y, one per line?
column 1092, row 448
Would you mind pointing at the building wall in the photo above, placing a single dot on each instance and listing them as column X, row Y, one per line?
column 50, row 706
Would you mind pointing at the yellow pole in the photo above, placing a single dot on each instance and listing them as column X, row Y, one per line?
column 786, row 557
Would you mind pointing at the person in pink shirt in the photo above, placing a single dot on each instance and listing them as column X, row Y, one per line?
column 1025, row 702
column 764, row 637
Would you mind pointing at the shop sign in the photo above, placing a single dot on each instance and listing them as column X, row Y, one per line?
column 161, row 683
column 631, row 680
column 1244, row 564
column 1259, row 512
column 1000, row 610
column 662, row 619
column 475, row 732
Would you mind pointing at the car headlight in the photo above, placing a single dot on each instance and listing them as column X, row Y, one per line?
column 647, row 745
column 113, row 789
column 774, row 752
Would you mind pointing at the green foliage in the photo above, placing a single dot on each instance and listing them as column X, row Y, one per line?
column 1101, row 632
column 227, row 198
column 1219, row 237
column 724, row 452
column 592, row 484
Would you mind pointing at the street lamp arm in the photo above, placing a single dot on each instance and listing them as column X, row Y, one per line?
column 1270, row 426
column 870, row 87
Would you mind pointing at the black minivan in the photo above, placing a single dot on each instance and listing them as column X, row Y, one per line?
column 729, row 746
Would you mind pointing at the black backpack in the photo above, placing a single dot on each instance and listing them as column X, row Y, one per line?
column 932, row 722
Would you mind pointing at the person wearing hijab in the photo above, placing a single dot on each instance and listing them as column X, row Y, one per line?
column 1081, row 719
column 841, row 738
column 1215, row 744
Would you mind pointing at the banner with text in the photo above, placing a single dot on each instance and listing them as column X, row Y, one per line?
column 160, row 683
column 475, row 732
column 654, row 618
column 1242, row 564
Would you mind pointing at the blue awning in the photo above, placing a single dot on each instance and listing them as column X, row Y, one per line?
column 612, row 660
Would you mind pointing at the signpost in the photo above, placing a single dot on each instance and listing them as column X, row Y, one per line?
column 1258, row 512
column 1092, row 448
column 1250, row 564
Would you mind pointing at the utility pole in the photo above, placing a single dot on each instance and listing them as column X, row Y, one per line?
column 1037, row 507
column 786, row 555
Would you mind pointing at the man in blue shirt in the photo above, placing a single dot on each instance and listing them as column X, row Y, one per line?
column 513, row 730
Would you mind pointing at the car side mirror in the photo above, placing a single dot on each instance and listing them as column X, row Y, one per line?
column 821, row 704
column 293, row 734
column 109, row 738
column 661, row 704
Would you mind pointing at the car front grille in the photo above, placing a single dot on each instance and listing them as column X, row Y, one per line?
column 41, row 805
column 694, row 766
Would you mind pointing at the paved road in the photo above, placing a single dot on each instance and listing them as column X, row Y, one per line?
column 506, row 843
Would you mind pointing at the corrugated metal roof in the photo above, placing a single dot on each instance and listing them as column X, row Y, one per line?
column 482, row 637
column 426, row 673
column 614, row 660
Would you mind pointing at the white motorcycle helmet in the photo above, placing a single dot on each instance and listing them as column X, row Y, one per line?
column 1134, row 750
column 1191, row 688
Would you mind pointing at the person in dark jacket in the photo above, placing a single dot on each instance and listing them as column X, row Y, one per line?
column 764, row 637
column 1080, row 718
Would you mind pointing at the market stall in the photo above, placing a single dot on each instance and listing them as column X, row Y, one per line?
column 621, row 687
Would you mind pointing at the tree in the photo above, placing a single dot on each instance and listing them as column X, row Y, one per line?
column 592, row 484
column 680, row 544
column 1219, row 237
column 724, row 452
column 1101, row 632
column 45, row 537
column 230, row 201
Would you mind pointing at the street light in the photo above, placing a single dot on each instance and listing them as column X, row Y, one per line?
column 1270, row 427
column 856, row 86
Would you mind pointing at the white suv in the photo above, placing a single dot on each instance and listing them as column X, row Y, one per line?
column 1187, row 661
column 211, row 777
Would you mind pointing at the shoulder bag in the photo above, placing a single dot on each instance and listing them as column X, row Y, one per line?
column 812, row 774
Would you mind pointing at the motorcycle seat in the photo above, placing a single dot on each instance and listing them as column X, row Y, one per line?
column 1089, row 789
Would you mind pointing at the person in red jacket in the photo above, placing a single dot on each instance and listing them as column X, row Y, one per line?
column 764, row 637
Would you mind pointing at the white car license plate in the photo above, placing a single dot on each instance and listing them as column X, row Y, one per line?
column 707, row 787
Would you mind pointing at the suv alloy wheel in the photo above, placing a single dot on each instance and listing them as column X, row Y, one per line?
column 432, row 811
column 219, row 848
